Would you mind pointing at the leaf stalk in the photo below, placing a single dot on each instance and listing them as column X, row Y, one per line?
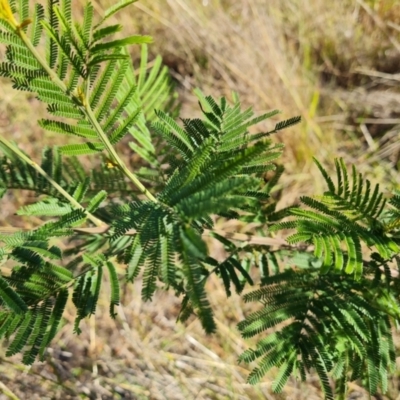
column 86, row 109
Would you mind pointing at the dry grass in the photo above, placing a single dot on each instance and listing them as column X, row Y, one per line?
column 333, row 63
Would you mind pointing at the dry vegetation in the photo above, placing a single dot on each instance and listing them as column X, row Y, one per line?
column 335, row 63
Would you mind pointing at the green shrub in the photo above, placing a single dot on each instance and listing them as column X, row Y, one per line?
column 330, row 291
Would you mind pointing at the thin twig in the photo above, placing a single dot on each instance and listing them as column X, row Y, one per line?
column 45, row 175
column 7, row 392
column 85, row 108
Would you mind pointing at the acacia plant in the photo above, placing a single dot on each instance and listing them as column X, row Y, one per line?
column 330, row 291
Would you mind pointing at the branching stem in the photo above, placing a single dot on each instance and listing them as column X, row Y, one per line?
column 114, row 155
column 85, row 108
column 45, row 175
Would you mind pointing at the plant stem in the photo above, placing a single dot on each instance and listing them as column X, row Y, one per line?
column 85, row 108
column 114, row 155
column 54, row 77
column 62, row 191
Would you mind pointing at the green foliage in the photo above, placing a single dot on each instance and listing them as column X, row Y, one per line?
column 349, row 216
column 328, row 296
column 338, row 314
